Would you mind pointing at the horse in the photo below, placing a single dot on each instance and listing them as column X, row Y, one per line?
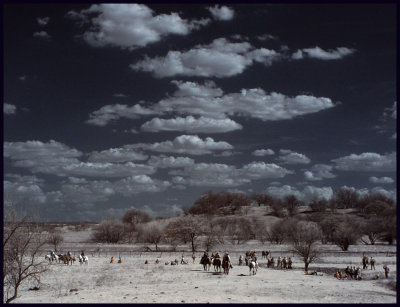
column 253, row 266
column 217, row 264
column 265, row 254
column 226, row 265
column 48, row 257
column 83, row 259
column 205, row 261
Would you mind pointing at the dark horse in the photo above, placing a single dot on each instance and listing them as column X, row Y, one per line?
column 226, row 265
column 205, row 261
column 217, row 264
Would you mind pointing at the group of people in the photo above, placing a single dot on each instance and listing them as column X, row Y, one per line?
column 355, row 273
column 119, row 259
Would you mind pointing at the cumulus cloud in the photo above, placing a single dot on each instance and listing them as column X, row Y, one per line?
column 391, row 112
column 209, row 101
column 116, row 155
column 190, row 124
column 255, row 103
column 42, row 34
column 109, row 170
column 219, row 59
column 223, row 175
column 131, row 26
column 321, row 54
column 43, row 21
column 138, row 184
column 319, row 172
column 367, row 161
column 170, row 162
column 221, row 12
column 307, row 194
column 382, row 180
column 109, row 113
column 9, row 108
column 290, row 157
column 189, row 144
column 262, row 152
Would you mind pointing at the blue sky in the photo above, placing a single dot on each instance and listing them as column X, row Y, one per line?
column 115, row 106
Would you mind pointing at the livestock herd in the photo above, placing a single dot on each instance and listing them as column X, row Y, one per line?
column 66, row 258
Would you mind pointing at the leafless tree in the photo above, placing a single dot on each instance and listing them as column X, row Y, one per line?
column 277, row 208
column 318, row 205
column 55, row 238
column 134, row 217
column 303, row 237
column 22, row 242
column 185, row 229
column 152, row 234
column 346, row 198
column 291, row 203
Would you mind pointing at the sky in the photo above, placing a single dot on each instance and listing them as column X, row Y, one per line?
column 109, row 107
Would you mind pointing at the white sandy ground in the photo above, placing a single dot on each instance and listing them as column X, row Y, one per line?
column 133, row 281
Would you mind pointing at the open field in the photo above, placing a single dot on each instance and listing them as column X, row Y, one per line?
column 133, row 281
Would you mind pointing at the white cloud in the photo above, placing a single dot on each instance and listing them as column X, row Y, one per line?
column 116, row 155
column 189, row 144
column 130, row 26
column 391, row 112
column 187, row 89
column 219, row 59
column 221, row 12
column 367, row 161
column 109, row 170
column 170, row 162
column 290, row 157
column 109, row 113
column 139, row 184
column 321, row 54
column 190, row 124
column 319, row 172
column 120, row 95
column 382, row 180
column 41, row 34
column 307, row 194
column 9, row 109
column 265, row 37
column 255, row 103
column 43, row 21
column 223, row 175
column 262, row 152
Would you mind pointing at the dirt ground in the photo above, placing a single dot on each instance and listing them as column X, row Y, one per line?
column 133, row 281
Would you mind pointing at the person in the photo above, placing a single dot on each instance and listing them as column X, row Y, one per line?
column 194, row 257
column 386, row 268
column 119, row 259
column 289, row 263
column 217, row 255
column 364, row 262
column 182, row 259
column 112, row 259
column 240, row 260
column 83, row 254
column 372, row 262
column 227, row 258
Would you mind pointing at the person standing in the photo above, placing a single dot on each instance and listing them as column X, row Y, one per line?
column 386, row 269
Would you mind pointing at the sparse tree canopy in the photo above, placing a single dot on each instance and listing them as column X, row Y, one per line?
column 109, row 231
column 23, row 239
column 152, row 234
column 185, row 229
column 303, row 236
column 55, row 238
column 135, row 217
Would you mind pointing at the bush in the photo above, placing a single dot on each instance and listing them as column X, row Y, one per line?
column 109, row 231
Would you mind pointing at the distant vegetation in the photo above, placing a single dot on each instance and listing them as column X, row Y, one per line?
column 346, row 219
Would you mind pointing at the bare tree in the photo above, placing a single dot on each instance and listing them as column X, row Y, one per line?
column 346, row 198
column 303, row 237
column 135, row 217
column 22, row 241
column 277, row 208
column 291, row 203
column 318, row 205
column 152, row 234
column 185, row 229
column 55, row 239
